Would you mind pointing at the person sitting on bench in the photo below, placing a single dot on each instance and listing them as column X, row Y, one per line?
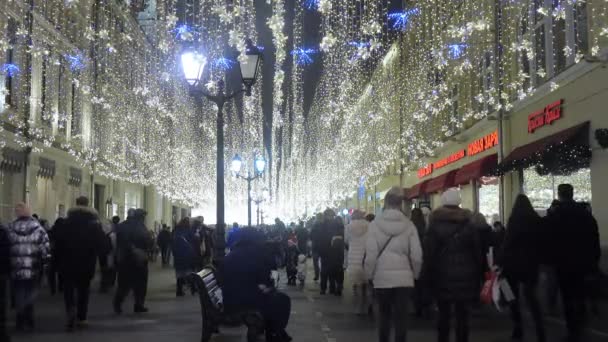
column 247, row 284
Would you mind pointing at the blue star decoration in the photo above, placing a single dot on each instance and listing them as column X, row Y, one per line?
column 302, row 55
column 456, row 50
column 76, row 61
column 10, row 70
column 311, row 4
column 401, row 19
column 224, row 63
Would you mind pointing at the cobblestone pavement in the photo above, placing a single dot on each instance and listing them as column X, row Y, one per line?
column 314, row 319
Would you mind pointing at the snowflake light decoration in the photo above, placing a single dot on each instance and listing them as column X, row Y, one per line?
column 11, row 70
column 456, row 50
column 184, row 32
column 401, row 19
column 302, row 55
column 311, row 4
column 76, row 61
column 224, row 63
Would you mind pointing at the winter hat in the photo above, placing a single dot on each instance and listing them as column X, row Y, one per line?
column 451, row 197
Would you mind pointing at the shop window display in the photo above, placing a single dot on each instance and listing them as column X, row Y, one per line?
column 542, row 189
column 489, row 198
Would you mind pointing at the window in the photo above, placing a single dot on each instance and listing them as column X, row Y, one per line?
column 75, row 113
column 560, row 32
column 9, row 86
column 560, row 48
column 454, row 116
column 46, row 108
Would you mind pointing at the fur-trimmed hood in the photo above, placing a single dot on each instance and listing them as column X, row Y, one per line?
column 82, row 211
column 451, row 214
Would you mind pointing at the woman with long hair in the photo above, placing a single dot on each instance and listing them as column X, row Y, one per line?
column 519, row 258
column 421, row 294
column 356, row 236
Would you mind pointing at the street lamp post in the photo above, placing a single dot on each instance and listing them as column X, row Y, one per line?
column 193, row 64
column 260, row 166
column 261, row 198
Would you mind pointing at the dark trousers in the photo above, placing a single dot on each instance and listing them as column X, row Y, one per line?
column 76, row 296
column 276, row 311
column 3, row 331
column 325, row 272
column 25, row 293
column 108, row 279
column 462, row 310
column 164, row 254
column 572, row 288
column 336, row 280
column 132, row 278
column 529, row 289
column 392, row 307
column 53, row 278
column 315, row 263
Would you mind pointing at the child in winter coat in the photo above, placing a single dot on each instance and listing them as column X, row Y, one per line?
column 29, row 250
column 292, row 261
column 302, row 269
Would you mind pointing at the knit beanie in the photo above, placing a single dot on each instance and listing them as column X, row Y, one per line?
column 451, row 197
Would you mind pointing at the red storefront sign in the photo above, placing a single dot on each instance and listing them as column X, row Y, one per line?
column 449, row 160
column 483, row 144
column 475, row 147
column 425, row 171
column 545, row 116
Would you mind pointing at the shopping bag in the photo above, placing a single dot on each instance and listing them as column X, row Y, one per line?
column 486, row 295
column 506, row 290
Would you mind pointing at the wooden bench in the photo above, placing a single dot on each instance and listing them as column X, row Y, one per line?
column 212, row 309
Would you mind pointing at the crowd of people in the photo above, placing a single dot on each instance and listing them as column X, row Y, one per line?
column 438, row 260
column 435, row 260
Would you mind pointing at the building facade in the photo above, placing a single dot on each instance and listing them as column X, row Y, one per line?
column 57, row 57
column 542, row 85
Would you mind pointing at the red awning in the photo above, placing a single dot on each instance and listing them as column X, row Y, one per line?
column 476, row 169
column 441, row 183
column 531, row 154
column 417, row 190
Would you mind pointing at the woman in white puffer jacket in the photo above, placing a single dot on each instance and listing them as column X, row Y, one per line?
column 393, row 261
column 356, row 237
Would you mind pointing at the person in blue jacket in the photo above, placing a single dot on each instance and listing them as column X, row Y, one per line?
column 247, row 284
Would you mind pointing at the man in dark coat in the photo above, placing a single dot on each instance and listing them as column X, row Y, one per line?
column 133, row 243
column 575, row 251
column 247, row 284
column 79, row 242
column 329, row 229
column 164, row 243
column 452, row 266
column 303, row 237
column 316, row 237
